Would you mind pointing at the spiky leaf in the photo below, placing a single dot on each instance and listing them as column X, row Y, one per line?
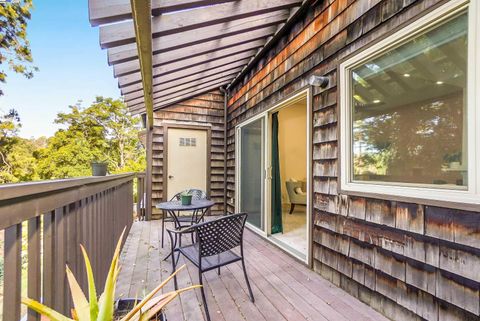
column 105, row 311
column 92, row 292
column 82, row 307
column 44, row 310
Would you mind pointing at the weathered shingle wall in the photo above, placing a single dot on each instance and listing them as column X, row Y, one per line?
column 409, row 261
column 203, row 110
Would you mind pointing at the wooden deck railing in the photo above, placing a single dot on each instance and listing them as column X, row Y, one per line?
column 58, row 216
column 141, row 196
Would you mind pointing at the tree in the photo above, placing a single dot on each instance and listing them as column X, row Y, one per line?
column 17, row 162
column 68, row 154
column 14, row 46
column 102, row 132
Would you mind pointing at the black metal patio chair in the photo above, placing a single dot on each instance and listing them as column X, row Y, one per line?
column 214, row 247
column 188, row 220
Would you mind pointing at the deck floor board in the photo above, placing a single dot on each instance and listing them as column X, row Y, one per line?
column 284, row 289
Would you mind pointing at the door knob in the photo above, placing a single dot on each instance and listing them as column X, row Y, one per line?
column 170, row 176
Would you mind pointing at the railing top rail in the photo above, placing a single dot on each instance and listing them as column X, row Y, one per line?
column 21, row 202
column 17, row 190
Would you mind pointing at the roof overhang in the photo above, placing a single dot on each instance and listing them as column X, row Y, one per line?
column 166, row 51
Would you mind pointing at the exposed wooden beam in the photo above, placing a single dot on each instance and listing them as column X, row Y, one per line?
column 140, row 109
column 187, row 39
column 129, row 68
column 143, row 29
column 191, row 81
column 158, row 75
column 123, row 32
column 108, row 11
column 180, row 89
column 173, row 80
column 158, row 100
column 295, row 14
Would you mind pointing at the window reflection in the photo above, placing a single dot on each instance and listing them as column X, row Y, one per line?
column 409, row 110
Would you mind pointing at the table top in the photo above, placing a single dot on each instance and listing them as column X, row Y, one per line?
column 177, row 205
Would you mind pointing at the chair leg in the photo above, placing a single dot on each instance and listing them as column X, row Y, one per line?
column 292, row 207
column 218, row 272
column 174, row 267
column 248, row 282
column 204, row 298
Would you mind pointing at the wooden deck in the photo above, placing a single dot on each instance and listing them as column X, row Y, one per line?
column 283, row 288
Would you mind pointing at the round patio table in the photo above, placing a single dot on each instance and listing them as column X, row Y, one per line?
column 174, row 208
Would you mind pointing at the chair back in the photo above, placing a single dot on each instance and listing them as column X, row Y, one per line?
column 221, row 235
column 292, row 195
column 177, row 197
column 197, row 194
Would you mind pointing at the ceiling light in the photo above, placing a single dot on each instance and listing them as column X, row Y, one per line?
column 439, row 82
column 406, row 75
column 376, row 101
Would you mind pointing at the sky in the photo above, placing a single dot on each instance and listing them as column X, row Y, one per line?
column 72, row 67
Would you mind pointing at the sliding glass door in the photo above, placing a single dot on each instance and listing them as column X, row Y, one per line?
column 251, row 172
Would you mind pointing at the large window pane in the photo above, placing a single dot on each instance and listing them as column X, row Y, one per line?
column 409, row 111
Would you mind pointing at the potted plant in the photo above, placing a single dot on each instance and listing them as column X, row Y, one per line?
column 103, row 308
column 186, row 198
column 99, row 168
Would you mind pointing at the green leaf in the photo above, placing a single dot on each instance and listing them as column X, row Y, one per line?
column 44, row 310
column 105, row 312
column 82, row 308
column 149, row 297
column 92, row 292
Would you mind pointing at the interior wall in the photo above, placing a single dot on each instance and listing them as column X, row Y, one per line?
column 292, row 138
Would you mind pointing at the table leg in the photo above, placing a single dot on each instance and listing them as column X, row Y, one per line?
column 163, row 226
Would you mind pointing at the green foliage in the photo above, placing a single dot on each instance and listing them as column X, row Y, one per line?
column 14, row 46
column 68, row 154
column 102, row 309
column 102, row 132
column 17, row 162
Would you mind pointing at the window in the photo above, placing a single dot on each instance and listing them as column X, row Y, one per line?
column 408, row 111
column 192, row 142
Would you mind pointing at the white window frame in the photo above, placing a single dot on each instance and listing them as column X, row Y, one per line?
column 469, row 196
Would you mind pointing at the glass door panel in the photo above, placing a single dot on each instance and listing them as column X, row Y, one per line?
column 252, row 172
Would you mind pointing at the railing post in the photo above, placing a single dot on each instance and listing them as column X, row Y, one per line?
column 148, row 176
column 12, row 272
column 49, row 258
column 61, row 249
column 34, row 264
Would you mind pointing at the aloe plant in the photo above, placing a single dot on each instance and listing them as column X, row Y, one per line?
column 102, row 309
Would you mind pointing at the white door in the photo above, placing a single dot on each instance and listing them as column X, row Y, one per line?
column 186, row 160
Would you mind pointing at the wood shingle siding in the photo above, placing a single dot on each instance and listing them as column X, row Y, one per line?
column 203, row 110
column 409, row 261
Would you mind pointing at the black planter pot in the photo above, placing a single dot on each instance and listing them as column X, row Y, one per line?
column 99, row 169
column 123, row 306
